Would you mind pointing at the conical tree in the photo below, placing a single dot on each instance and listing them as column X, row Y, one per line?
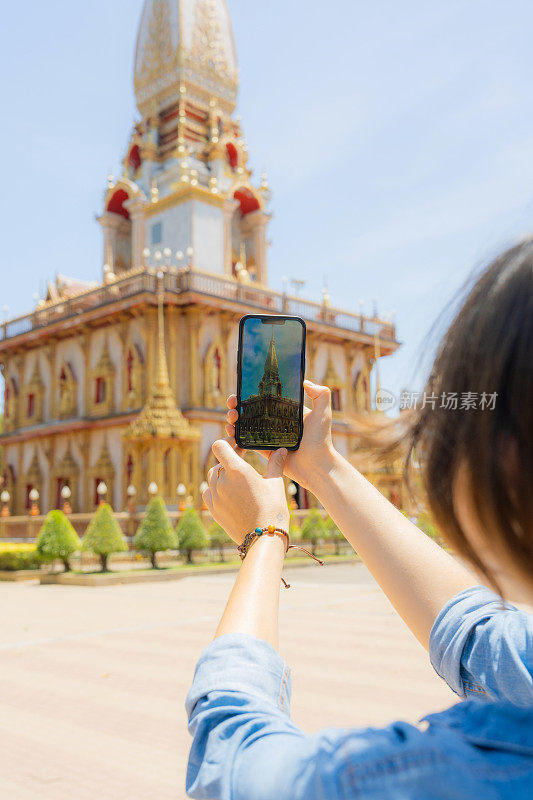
column 191, row 533
column 155, row 533
column 334, row 535
column 218, row 538
column 313, row 528
column 104, row 535
column 57, row 538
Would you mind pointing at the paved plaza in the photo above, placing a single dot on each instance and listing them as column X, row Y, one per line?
column 93, row 680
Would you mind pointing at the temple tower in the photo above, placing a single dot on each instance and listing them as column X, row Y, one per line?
column 270, row 384
column 185, row 197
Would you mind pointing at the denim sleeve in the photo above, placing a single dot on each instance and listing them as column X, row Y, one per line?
column 245, row 747
column 483, row 648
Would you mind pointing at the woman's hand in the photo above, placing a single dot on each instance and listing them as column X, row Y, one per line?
column 239, row 498
column 316, row 452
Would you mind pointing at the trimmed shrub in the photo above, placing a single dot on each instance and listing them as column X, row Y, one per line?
column 334, row 535
column 155, row 533
column 17, row 547
column 191, row 533
column 13, row 560
column 57, row 538
column 218, row 538
column 104, row 535
column 313, row 529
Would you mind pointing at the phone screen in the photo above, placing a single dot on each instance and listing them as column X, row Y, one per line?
column 270, row 382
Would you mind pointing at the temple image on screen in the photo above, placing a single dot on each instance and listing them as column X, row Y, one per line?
column 270, row 414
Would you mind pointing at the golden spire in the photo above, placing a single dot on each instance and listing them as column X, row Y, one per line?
column 163, row 382
column 160, row 417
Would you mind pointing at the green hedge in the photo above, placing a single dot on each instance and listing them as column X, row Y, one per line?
column 12, row 560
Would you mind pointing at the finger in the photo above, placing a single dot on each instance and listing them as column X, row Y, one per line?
column 275, row 463
column 212, row 478
column 232, row 416
column 226, row 454
column 230, row 430
column 320, row 395
column 207, row 497
column 231, row 402
column 231, row 441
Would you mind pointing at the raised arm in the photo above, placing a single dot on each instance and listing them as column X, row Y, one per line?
column 417, row 575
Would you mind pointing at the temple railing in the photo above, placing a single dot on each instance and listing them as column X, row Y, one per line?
column 203, row 283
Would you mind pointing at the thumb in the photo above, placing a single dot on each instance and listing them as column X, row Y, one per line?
column 275, row 464
column 320, row 395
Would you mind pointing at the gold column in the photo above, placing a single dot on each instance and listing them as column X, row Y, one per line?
column 158, row 451
column 196, row 472
column 194, row 356
column 225, row 329
column 49, row 454
column 51, row 355
column 84, row 444
column 85, row 343
column 20, row 362
column 19, row 493
column 173, row 475
column 312, row 346
column 349, row 356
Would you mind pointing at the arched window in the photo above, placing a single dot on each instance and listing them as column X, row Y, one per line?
column 100, row 390
column 129, row 370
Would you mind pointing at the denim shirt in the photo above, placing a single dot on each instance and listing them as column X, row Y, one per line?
column 245, row 746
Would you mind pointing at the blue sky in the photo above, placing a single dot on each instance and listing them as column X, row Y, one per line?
column 398, row 140
column 256, row 342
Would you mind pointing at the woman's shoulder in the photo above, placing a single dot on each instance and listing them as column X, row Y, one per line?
column 473, row 748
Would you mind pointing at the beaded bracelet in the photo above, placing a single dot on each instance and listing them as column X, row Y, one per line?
column 251, row 537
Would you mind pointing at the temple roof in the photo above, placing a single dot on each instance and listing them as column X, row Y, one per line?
column 65, row 288
column 184, row 43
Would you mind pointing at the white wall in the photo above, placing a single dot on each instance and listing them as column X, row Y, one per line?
column 210, row 432
column 176, row 228
column 208, row 237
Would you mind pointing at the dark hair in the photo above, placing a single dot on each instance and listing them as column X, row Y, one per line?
column 487, row 350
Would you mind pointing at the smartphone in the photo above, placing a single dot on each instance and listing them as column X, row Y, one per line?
column 270, row 374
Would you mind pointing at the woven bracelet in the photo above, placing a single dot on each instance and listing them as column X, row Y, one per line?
column 271, row 530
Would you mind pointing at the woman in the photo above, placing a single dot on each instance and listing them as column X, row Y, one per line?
column 477, row 466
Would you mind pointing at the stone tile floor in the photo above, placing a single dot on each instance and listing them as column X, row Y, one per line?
column 93, row 680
